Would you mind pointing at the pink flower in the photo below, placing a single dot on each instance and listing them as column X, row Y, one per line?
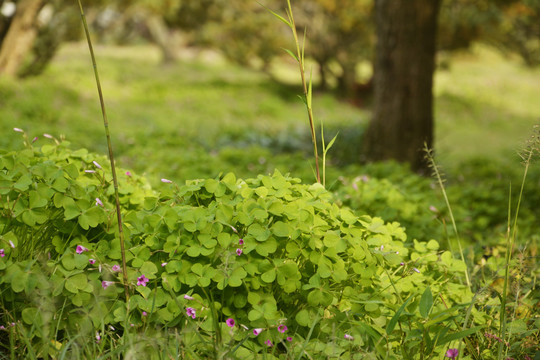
column 230, row 322
column 187, row 297
column 98, row 202
column 98, row 337
column 2, row 327
column 241, row 241
column 191, row 312
column 116, row 268
column 2, row 253
column 163, row 264
column 128, row 173
column 238, row 252
column 167, row 181
column 257, row 331
column 452, row 353
column 348, row 337
column 289, row 339
column 282, row 328
column 106, row 284
column 34, row 139
column 80, row 249
column 11, row 244
column 18, row 130
column 91, row 261
column 48, row 136
column 402, row 263
column 142, row 280
column 96, row 164
column 268, row 342
column 144, row 313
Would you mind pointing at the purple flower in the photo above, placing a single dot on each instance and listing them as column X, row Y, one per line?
column 2, row 253
column 2, row 327
column 257, row 331
column 348, row 337
column 98, row 202
column 98, row 337
column 163, row 264
column 144, row 313
column 402, row 263
column 238, row 252
column 34, row 139
column 289, row 338
column 142, row 280
column 191, row 312
column 282, row 328
column 106, row 284
column 96, row 164
column 167, row 181
column 452, row 353
column 268, row 342
column 187, row 297
column 18, row 130
column 92, row 261
column 230, row 322
column 80, row 249
column 116, row 268
column 241, row 241
column 128, row 173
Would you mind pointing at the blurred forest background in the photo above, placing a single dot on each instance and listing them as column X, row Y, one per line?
column 487, row 57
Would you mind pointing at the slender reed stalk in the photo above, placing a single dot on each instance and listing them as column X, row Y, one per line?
column 111, row 154
column 510, row 241
column 438, row 176
column 307, row 86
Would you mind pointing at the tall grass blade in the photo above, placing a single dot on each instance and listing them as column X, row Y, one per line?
column 509, row 249
column 438, row 176
column 111, row 154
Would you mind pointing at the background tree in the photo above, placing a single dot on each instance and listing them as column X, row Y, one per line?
column 404, row 65
column 19, row 36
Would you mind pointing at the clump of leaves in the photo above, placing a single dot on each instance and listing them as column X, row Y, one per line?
column 266, row 252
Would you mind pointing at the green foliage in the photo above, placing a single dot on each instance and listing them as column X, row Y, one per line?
column 304, row 262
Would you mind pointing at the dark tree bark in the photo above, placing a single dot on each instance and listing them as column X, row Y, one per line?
column 403, row 80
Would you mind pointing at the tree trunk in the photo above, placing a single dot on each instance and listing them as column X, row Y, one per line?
column 20, row 36
column 160, row 35
column 403, row 81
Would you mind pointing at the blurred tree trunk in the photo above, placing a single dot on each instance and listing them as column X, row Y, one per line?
column 20, row 36
column 403, row 81
column 161, row 36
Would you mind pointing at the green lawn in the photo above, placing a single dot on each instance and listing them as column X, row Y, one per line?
column 200, row 118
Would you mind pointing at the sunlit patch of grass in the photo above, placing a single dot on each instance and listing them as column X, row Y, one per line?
column 485, row 105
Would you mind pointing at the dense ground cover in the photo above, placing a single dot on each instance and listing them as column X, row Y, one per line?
column 204, row 120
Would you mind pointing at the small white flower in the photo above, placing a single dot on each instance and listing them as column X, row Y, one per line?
column 96, row 164
column 18, row 130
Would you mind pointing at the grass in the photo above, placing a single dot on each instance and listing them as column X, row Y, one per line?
column 485, row 106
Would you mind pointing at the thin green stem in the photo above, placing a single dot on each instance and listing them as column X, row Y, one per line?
column 307, row 95
column 111, row 154
column 438, row 175
column 509, row 248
